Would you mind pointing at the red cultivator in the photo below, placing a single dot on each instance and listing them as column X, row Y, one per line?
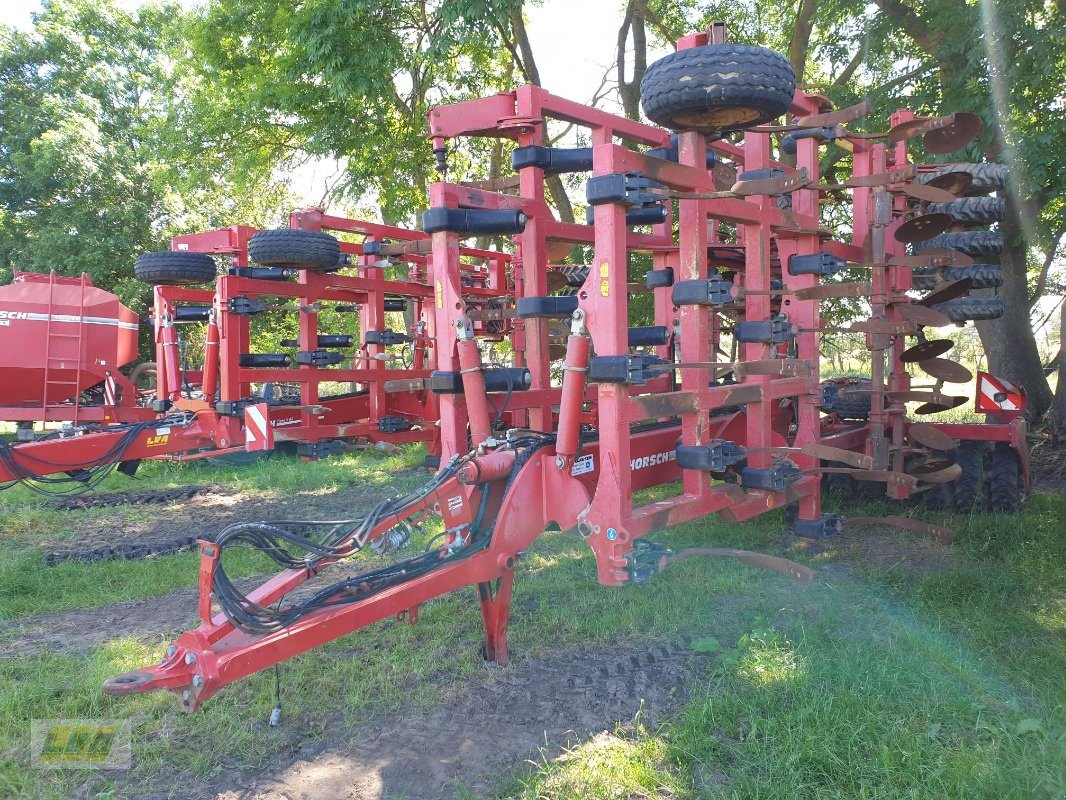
column 737, row 255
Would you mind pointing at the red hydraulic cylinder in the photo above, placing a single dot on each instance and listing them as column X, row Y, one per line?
column 477, row 401
column 575, row 372
column 210, row 381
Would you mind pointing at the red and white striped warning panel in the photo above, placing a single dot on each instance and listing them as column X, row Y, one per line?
column 110, row 393
column 258, row 435
column 996, row 395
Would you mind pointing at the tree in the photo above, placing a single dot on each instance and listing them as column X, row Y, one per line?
column 96, row 142
column 346, row 79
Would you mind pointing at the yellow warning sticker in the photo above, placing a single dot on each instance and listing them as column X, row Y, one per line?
column 605, row 288
column 604, row 270
column 440, row 295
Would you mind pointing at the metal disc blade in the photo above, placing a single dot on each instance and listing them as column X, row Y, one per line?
column 926, row 193
column 947, row 292
column 944, row 369
column 556, row 352
column 929, row 436
column 905, row 130
column 922, row 228
column 944, row 475
column 557, row 250
column 929, row 466
column 936, row 408
column 963, row 129
column 924, row 316
column 926, row 350
column 954, row 182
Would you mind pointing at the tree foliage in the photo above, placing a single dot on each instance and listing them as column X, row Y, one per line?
column 97, row 143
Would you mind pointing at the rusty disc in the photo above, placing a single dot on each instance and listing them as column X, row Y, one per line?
column 926, row 350
column 905, row 130
column 556, row 352
column 954, row 182
column 928, row 436
column 944, row 369
column 946, row 474
column 936, row 408
column 928, row 465
column 948, row 291
column 922, row 228
column 962, row 130
column 557, row 250
column 922, row 315
column 926, row 193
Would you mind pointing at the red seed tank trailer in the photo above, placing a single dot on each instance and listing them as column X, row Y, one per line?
column 60, row 337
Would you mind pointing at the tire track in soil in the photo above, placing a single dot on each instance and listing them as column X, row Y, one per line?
column 505, row 717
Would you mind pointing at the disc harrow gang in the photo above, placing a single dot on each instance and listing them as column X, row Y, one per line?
column 559, row 398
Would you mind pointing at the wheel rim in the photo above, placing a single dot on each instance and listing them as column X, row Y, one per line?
column 718, row 119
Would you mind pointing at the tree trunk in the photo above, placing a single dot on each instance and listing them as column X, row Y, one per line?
column 629, row 91
column 1058, row 411
column 1009, row 342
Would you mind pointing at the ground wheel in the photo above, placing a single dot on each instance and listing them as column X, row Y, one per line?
column 966, row 309
column 972, row 243
column 982, row 276
column 851, row 399
column 939, row 496
column 717, row 87
column 972, row 210
column 283, row 247
column 174, row 268
column 969, row 455
column 1004, row 489
column 987, row 178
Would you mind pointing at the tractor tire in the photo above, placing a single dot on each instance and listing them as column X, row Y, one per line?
column 983, row 276
column 174, row 268
column 972, row 210
column 967, row 309
column 939, row 496
column 1004, row 489
column 869, row 491
column 838, row 484
column 970, row 455
column 312, row 250
column 717, row 88
column 987, row 178
column 972, row 243
column 851, row 406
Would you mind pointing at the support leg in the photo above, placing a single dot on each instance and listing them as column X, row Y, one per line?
column 495, row 597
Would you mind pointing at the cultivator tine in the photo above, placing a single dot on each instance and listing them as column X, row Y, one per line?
column 934, row 257
column 782, row 566
column 873, row 475
column 898, row 175
column 828, row 119
column 829, row 291
column 948, row 402
column 937, row 471
column 826, row 452
column 905, row 523
column 925, row 193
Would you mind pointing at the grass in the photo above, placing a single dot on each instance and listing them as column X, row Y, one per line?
column 872, row 682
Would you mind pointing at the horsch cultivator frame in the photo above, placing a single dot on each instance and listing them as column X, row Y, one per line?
column 737, row 252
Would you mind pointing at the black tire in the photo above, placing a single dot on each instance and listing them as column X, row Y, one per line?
column 972, row 243
column 840, row 485
column 939, row 496
column 967, row 309
column 174, row 268
column 850, row 406
column 970, row 456
column 283, row 247
column 869, row 491
column 1004, row 489
column 717, row 88
column 983, row 276
column 972, row 210
column 987, row 178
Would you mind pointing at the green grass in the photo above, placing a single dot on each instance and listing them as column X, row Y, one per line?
column 878, row 683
